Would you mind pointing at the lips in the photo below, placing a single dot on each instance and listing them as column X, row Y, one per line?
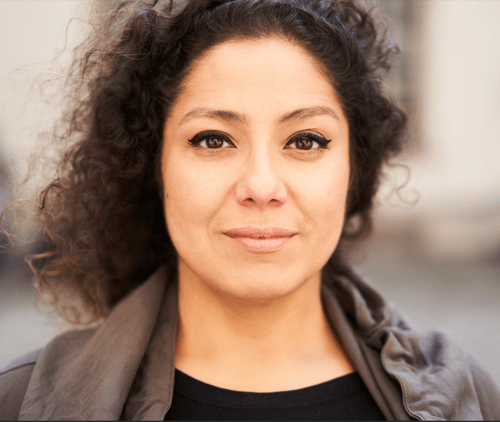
column 258, row 240
column 259, row 233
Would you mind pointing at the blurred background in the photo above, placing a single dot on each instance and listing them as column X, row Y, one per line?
column 435, row 251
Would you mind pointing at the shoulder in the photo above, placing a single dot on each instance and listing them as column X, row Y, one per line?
column 487, row 391
column 14, row 380
column 16, row 376
column 456, row 373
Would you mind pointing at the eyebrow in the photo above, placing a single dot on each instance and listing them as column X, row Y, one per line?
column 231, row 116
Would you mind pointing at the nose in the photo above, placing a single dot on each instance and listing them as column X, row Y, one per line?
column 262, row 185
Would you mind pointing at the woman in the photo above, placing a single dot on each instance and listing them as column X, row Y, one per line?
column 220, row 154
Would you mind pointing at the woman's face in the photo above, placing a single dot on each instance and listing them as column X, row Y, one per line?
column 255, row 169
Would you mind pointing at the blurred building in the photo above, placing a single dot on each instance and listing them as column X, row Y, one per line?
column 453, row 82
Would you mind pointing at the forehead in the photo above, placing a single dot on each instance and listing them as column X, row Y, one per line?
column 239, row 54
column 269, row 72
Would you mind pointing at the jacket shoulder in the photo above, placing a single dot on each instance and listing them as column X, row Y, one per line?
column 14, row 380
column 487, row 392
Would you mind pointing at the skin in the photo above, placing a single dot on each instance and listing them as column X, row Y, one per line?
column 254, row 321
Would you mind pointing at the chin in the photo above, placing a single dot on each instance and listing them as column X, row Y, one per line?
column 252, row 287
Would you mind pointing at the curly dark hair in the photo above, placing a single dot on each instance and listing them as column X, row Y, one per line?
column 102, row 214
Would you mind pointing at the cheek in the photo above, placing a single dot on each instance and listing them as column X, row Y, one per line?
column 193, row 194
column 326, row 204
column 327, row 191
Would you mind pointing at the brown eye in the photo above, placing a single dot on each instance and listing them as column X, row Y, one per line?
column 214, row 142
column 304, row 143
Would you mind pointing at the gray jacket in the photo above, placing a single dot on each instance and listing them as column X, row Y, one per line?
column 124, row 368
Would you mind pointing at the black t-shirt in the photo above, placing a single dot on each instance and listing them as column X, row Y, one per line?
column 343, row 398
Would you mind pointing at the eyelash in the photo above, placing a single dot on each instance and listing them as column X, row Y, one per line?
column 203, row 136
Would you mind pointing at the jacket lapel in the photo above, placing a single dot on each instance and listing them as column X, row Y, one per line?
column 153, row 388
column 87, row 374
column 383, row 389
column 435, row 376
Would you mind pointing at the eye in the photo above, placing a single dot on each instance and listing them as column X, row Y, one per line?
column 305, row 142
column 213, row 140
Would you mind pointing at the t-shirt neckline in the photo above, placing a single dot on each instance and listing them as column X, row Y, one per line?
column 206, row 393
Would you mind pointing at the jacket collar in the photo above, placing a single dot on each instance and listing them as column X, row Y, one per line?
column 87, row 374
column 435, row 376
column 124, row 368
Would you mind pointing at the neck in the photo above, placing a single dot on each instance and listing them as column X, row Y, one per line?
column 219, row 333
